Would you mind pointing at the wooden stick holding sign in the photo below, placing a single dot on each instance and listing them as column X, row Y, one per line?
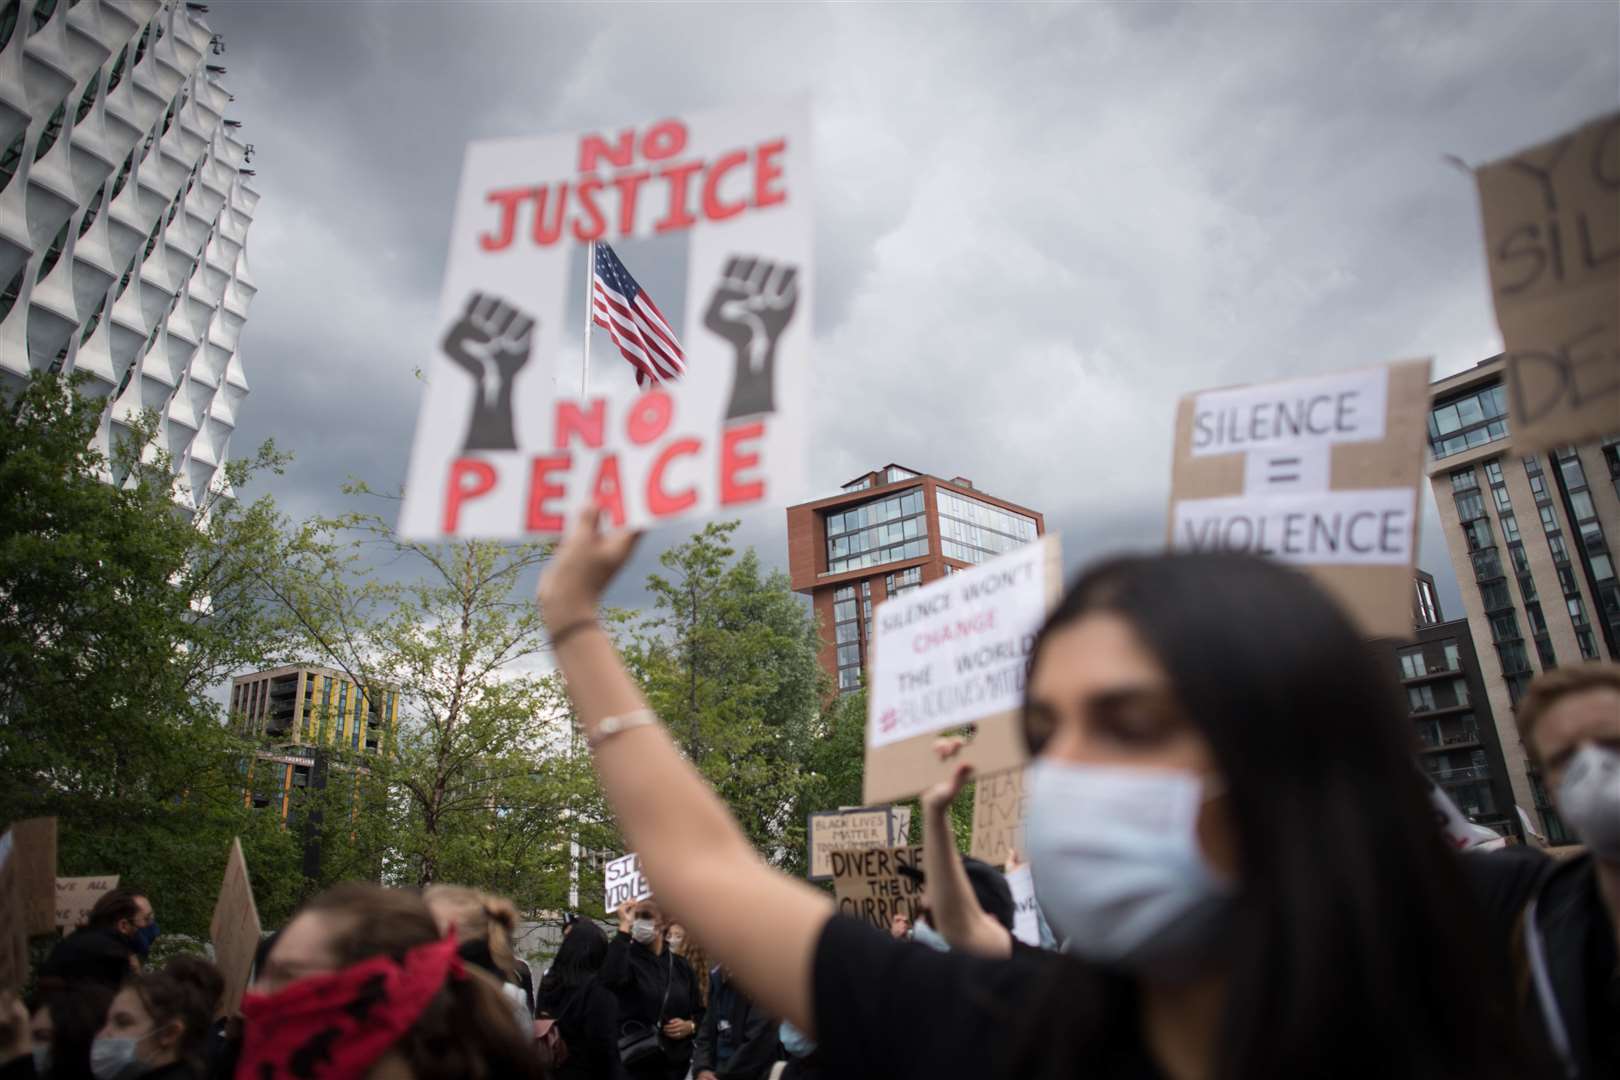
column 1321, row 472
column 36, row 873
column 951, row 654
column 870, row 886
column 235, row 930
column 1552, row 244
column 13, row 932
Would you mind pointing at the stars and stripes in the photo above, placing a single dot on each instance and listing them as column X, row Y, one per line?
column 624, row 310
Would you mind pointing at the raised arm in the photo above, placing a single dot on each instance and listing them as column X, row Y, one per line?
column 762, row 924
column 953, row 908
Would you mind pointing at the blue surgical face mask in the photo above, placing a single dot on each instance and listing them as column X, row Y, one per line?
column 1117, row 867
column 795, row 1042
column 114, row 1059
column 928, row 936
column 144, row 937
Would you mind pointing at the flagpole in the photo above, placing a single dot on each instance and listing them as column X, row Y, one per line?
column 590, row 309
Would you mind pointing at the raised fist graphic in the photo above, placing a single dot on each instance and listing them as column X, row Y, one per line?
column 490, row 342
column 751, row 307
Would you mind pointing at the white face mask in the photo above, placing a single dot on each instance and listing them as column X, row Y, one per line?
column 114, row 1058
column 1117, row 867
column 930, row 937
column 643, row 931
column 675, row 941
column 1589, row 798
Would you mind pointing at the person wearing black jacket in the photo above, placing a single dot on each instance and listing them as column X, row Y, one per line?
column 655, row 988
column 738, row 1039
column 587, row 1013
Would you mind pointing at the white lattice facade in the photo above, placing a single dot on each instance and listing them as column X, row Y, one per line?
column 123, row 215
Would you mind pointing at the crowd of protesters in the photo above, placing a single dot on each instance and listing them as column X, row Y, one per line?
column 1238, row 872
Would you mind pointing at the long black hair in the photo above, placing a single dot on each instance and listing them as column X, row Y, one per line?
column 1357, row 947
column 578, row 959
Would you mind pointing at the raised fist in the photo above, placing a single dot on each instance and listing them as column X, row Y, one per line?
column 751, row 307
column 491, row 342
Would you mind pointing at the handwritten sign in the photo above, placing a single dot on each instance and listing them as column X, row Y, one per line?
column 507, row 445
column 13, row 932
column 952, row 653
column 75, row 896
column 998, row 816
column 1026, row 914
column 36, row 873
column 848, row 829
column 623, row 881
column 235, row 929
column 1320, row 472
column 870, row 887
column 1552, row 245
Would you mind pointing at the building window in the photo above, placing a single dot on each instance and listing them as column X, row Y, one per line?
column 1420, row 698
column 1453, row 657
column 1473, row 419
column 894, row 474
column 1510, row 526
column 1470, row 505
column 1494, row 595
column 1464, row 480
column 1428, row 605
column 1412, row 664
column 903, row 582
column 1478, row 534
column 884, row 530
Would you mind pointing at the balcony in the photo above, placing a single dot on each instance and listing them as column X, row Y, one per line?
column 1461, row 775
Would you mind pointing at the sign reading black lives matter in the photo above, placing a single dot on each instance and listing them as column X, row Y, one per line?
column 1321, row 472
column 953, row 655
column 500, row 451
column 1552, row 244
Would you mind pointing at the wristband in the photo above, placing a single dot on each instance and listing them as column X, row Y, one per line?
column 615, row 725
column 571, row 629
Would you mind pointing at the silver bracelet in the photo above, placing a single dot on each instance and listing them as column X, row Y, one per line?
column 614, row 725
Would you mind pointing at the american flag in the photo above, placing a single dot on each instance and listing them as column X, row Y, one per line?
column 623, row 309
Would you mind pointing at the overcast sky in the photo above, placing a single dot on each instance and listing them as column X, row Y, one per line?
column 1037, row 225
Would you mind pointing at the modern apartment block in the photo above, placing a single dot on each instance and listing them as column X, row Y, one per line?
column 887, row 532
column 1458, row 742
column 1533, row 539
column 124, row 209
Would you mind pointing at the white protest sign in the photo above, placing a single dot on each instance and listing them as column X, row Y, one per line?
column 623, row 881
column 75, row 896
column 1320, row 472
column 506, row 446
column 1026, row 915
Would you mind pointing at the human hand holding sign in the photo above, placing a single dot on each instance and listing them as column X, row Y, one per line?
column 579, row 570
column 490, row 341
column 751, row 308
column 937, row 799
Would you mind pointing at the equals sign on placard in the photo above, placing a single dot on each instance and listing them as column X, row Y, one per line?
column 1298, row 468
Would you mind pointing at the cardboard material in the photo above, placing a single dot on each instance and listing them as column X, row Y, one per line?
column 1552, row 245
column 36, row 873
column 847, row 829
column 13, row 933
column 623, row 880
column 505, row 447
column 235, row 929
column 999, row 802
column 1321, row 472
column 870, row 887
column 75, row 896
column 951, row 654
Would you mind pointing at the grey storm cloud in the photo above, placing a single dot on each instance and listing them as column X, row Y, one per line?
column 1037, row 225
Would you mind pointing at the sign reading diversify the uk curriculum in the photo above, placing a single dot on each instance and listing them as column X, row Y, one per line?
column 1321, row 472
column 500, row 451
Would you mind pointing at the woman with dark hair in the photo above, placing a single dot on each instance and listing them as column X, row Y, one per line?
column 1224, row 822
column 156, row 1028
column 586, row 1012
column 63, row 1024
column 360, row 983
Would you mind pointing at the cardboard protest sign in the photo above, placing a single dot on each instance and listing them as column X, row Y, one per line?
column 950, row 654
column 622, row 880
column 902, row 825
column 998, row 816
column 13, row 932
column 75, row 896
column 1321, row 472
column 1552, row 245
column 847, row 829
column 1455, row 829
column 36, row 873
column 235, row 929
column 869, row 885
column 505, row 445
column 1026, row 914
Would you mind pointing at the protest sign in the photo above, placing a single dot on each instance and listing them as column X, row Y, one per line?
column 998, row 816
column 1552, row 245
column 849, row 828
column 1321, row 472
column 1457, row 831
column 622, row 880
column 870, row 886
column 75, row 896
column 950, row 654
column 1026, row 915
column 13, row 934
column 36, row 873
column 507, row 445
column 235, row 929
column 902, row 825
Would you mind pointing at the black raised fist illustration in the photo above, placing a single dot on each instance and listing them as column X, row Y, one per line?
column 491, row 342
column 751, row 307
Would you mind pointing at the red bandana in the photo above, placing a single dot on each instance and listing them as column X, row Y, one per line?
column 334, row 1025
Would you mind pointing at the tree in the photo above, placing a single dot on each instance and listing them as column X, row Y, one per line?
column 119, row 611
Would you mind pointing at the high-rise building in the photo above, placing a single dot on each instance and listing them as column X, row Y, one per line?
column 1446, row 698
column 887, row 532
column 1533, row 539
column 124, row 208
